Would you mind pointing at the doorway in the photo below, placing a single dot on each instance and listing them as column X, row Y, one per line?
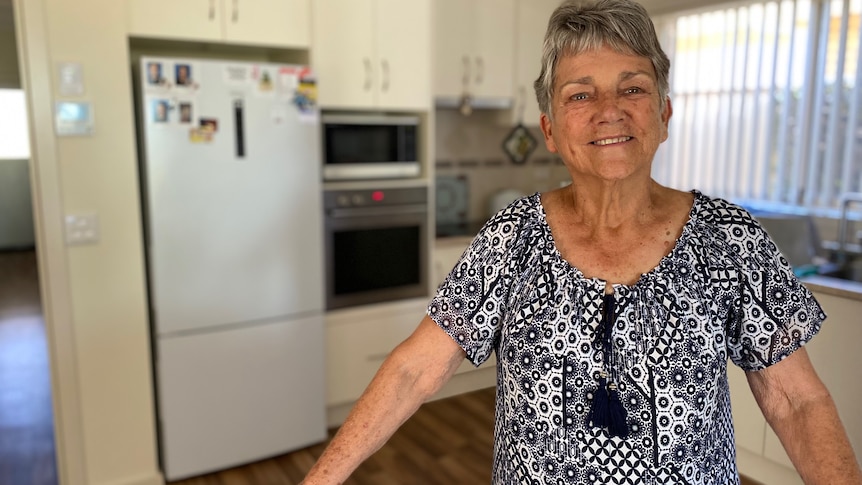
column 27, row 450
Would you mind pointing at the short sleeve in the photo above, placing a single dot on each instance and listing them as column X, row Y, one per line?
column 472, row 302
column 775, row 313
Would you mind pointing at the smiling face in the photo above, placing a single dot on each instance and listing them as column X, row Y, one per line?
column 607, row 117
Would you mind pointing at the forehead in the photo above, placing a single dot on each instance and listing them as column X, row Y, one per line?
column 603, row 63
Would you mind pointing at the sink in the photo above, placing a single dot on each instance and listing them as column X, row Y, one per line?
column 795, row 235
column 849, row 272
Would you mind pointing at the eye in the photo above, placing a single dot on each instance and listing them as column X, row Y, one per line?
column 634, row 90
column 579, row 96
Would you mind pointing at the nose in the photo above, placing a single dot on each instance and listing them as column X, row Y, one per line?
column 608, row 109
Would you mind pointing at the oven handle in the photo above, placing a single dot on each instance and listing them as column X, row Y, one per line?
column 345, row 213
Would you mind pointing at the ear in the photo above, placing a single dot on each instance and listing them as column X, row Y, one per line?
column 545, row 123
column 665, row 117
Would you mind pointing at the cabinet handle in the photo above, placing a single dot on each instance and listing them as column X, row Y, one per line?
column 235, row 14
column 466, row 78
column 367, row 63
column 385, row 84
column 480, row 70
column 212, row 10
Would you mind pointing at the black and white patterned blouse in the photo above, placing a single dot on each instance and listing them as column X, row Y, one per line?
column 723, row 292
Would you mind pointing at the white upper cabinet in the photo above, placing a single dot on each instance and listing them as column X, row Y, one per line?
column 372, row 53
column 268, row 22
column 532, row 18
column 275, row 23
column 474, row 41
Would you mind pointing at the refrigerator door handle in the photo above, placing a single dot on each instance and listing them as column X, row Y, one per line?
column 238, row 115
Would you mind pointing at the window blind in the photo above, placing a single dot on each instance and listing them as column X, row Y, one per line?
column 766, row 103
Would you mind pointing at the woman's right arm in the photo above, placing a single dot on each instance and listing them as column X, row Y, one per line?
column 412, row 374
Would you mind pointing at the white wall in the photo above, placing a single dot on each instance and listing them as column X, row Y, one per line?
column 95, row 300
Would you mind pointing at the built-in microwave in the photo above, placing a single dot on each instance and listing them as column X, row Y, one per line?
column 370, row 146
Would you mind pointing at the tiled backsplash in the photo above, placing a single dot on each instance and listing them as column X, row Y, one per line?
column 471, row 148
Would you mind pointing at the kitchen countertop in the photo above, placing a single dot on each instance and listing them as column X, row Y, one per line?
column 834, row 286
column 466, row 229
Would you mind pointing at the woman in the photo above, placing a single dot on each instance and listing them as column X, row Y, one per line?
column 614, row 303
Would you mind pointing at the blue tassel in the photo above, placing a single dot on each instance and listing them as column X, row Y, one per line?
column 617, row 422
column 599, row 412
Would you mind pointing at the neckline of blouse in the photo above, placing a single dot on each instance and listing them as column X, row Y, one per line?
column 664, row 262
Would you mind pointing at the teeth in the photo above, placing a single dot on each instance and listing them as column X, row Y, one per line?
column 611, row 141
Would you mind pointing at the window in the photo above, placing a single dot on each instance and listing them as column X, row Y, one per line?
column 767, row 108
column 14, row 139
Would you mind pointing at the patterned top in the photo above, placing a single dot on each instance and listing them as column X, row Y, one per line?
column 724, row 291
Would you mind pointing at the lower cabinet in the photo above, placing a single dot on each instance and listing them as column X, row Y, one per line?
column 360, row 338
column 447, row 252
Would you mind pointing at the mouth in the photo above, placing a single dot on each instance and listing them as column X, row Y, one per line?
column 611, row 141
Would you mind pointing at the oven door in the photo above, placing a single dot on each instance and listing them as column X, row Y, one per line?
column 376, row 254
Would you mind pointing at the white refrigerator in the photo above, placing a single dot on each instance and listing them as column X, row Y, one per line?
column 230, row 172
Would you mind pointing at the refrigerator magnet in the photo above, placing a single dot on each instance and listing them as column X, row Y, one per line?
column 155, row 76
column 160, row 111
column 265, row 82
column 183, row 74
column 209, row 124
column 200, row 135
column 186, row 112
column 305, row 100
column 237, row 75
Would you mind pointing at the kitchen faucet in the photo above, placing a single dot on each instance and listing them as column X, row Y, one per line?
column 846, row 200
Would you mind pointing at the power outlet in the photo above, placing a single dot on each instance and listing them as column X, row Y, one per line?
column 82, row 229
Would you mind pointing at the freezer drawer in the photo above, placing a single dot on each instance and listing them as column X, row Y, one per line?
column 239, row 395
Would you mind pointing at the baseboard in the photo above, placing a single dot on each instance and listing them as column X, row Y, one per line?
column 151, row 479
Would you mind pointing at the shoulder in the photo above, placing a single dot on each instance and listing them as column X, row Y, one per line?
column 721, row 213
column 512, row 220
column 733, row 231
column 508, row 233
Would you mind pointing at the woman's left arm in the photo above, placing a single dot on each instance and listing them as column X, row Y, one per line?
column 801, row 411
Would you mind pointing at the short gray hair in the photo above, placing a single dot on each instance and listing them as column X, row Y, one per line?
column 578, row 26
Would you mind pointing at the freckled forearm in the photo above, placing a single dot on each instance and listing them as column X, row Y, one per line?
column 815, row 441
column 395, row 393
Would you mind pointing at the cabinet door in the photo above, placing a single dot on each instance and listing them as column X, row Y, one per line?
column 189, row 19
column 343, row 52
column 279, row 23
column 532, row 20
column 403, row 54
column 494, row 59
column 359, row 340
column 454, row 29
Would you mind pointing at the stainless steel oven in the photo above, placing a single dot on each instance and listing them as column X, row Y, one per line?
column 376, row 244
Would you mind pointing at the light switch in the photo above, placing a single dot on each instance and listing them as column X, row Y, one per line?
column 82, row 229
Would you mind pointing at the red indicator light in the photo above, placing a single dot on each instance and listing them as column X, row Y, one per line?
column 377, row 195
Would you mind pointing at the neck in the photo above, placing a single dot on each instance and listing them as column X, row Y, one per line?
column 614, row 204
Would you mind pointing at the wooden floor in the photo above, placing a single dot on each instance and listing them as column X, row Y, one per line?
column 26, row 421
